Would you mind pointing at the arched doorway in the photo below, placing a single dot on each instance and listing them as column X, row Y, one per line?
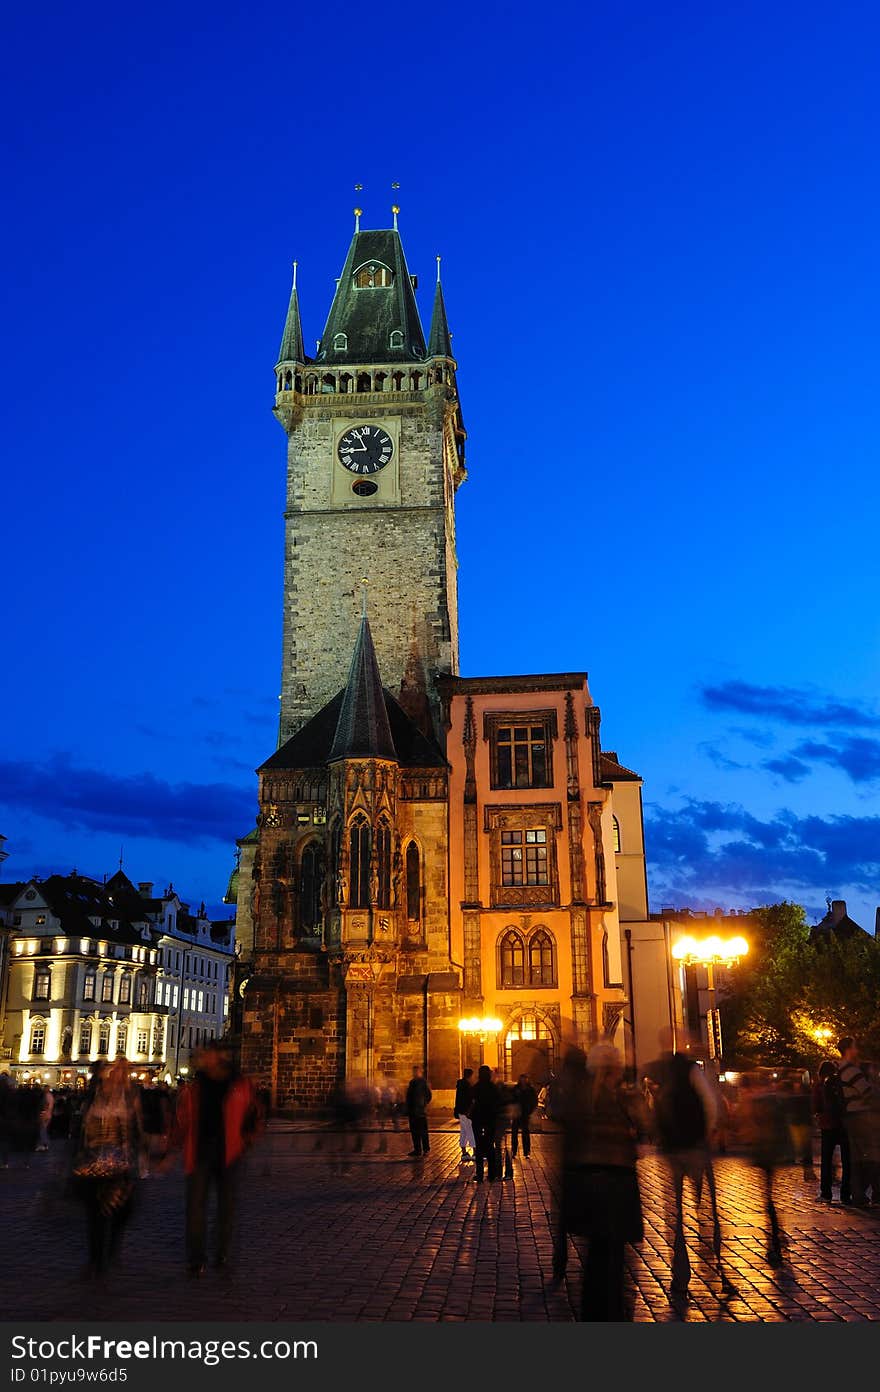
column 530, row 1047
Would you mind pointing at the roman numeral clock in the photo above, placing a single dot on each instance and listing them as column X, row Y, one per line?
column 365, row 457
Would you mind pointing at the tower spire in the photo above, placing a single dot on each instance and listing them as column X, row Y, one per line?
column 363, row 730
column 291, row 349
column 439, row 339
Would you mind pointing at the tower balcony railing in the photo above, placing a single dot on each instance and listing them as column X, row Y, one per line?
column 401, row 383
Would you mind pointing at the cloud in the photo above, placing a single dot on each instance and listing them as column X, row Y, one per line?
column 856, row 755
column 791, row 704
column 709, row 846
column 133, row 804
column 787, row 767
column 721, row 761
column 764, row 739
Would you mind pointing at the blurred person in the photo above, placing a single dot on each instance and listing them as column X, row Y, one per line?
column 217, row 1119
column 461, row 1107
column 829, row 1109
column 7, row 1110
column 486, row 1103
column 504, row 1120
column 872, row 1138
column 601, row 1200
column 525, row 1101
column 800, row 1125
column 685, row 1109
column 387, row 1109
column 857, row 1096
column 764, row 1131
column 105, row 1166
column 418, row 1097
column 44, row 1117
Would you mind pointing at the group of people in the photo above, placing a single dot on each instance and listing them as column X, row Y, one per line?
column 486, row 1109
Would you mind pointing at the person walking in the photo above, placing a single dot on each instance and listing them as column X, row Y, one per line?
column 105, row 1166
column 217, row 1120
column 525, row 1100
column 418, row 1096
column 857, row 1093
column 685, row 1118
column 601, row 1199
column 464, row 1095
column 829, row 1109
column 46, row 1108
column 7, row 1114
column 763, row 1127
column 485, row 1108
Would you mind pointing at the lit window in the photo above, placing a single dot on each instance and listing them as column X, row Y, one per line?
column 174, row 1002
column 186, row 998
column 38, row 1037
column 89, row 986
column 542, row 966
column 121, row 1038
column 107, row 987
column 104, row 1037
column 373, row 275
column 143, row 1041
column 85, row 1038
column 524, row 857
column 125, row 989
column 42, row 984
column 40, row 918
column 512, row 960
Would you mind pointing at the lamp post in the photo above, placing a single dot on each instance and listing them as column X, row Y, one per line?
column 708, row 953
column 481, row 1026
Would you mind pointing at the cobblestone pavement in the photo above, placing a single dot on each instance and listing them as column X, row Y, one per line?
column 378, row 1236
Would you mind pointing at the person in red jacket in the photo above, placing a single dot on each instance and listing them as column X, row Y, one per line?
column 216, row 1121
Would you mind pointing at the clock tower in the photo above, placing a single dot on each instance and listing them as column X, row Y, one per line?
column 375, row 456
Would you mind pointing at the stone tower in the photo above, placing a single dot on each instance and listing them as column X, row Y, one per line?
column 375, row 456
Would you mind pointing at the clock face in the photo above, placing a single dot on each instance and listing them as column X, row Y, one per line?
column 365, row 449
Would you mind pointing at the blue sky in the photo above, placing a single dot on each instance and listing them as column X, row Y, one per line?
column 658, row 229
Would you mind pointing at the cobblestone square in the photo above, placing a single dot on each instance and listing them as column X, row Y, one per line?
column 373, row 1235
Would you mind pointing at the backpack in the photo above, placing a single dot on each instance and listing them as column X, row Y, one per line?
column 678, row 1107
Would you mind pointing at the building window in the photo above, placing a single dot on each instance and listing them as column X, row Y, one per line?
column 121, row 1038
column 125, row 989
column 311, row 878
column 521, row 755
column 615, row 832
column 359, row 864
column 143, row 994
column 512, row 960
column 157, row 1039
column 107, row 987
column 340, row 342
column 383, row 865
column 42, row 984
column 85, row 1037
column 38, row 1037
column 104, row 1037
column 372, row 276
column 396, row 338
column 89, row 986
column 542, row 959
column 143, row 1041
column 524, row 857
column 530, row 1047
column 413, row 883
column 40, row 918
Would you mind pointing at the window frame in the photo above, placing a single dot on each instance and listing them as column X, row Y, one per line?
column 496, row 721
column 42, row 975
column 36, row 1025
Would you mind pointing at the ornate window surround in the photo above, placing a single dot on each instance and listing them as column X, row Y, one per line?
column 494, row 720
column 547, row 815
column 525, row 938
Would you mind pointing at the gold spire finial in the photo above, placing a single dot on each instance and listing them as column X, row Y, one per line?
column 357, row 219
column 395, row 210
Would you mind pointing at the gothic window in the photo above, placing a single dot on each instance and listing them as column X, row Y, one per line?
column 615, row 831
column 520, row 755
column 121, row 1038
column 125, row 989
column 413, row 883
column 524, row 857
column 512, row 960
column 311, row 876
column 107, row 987
column 396, row 338
column 42, row 984
column 383, row 865
column 542, row 964
column 89, row 986
column 359, row 864
column 373, row 275
column 85, row 1037
column 530, row 1041
column 104, row 1037
column 38, row 1037
column 340, row 342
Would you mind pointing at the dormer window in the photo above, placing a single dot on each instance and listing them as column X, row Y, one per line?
column 373, row 275
column 340, row 342
column 396, row 338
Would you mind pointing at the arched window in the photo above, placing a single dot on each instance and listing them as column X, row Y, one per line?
column 383, row 865
column 396, row 338
column 542, row 963
column 373, row 275
column 121, row 1038
column 311, row 876
column 615, row 833
column 38, row 1037
column 364, row 382
column 512, row 960
column 359, row 864
column 397, row 379
column 328, row 383
column 340, row 342
column 530, row 1047
column 413, row 883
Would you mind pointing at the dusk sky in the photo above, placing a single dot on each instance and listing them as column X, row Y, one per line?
column 659, row 231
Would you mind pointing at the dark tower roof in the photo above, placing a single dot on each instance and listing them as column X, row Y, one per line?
column 363, row 730
column 439, row 339
column 368, row 315
column 291, row 349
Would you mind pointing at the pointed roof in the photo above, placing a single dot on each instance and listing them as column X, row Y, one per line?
column 369, row 315
column 292, row 349
column 310, row 747
column 363, row 731
column 439, row 339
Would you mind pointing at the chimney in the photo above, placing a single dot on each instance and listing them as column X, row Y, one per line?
column 145, row 889
column 838, row 911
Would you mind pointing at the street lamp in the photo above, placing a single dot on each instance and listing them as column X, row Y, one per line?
column 480, row 1025
column 707, row 953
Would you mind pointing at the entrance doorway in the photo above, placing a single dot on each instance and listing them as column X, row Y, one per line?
column 530, row 1047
